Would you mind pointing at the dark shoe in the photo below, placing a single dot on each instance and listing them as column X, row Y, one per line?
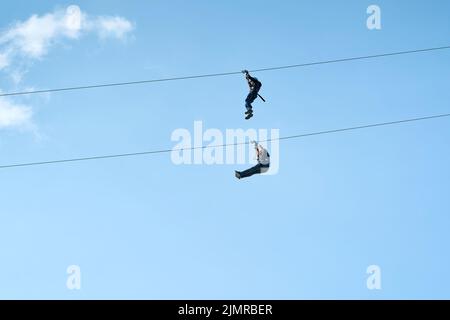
column 249, row 111
column 249, row 116
column 237, row 174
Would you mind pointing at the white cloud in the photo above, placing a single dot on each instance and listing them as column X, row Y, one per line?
column 113, row 27
column 14, row 115
column 3, row 60
column 34, row 37
column 17, row 76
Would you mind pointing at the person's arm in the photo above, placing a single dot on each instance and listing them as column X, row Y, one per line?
column 249, row 77
column 262, row 152
column 259, row 150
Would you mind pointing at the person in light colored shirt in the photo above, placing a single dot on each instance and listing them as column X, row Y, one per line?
column 263, row 165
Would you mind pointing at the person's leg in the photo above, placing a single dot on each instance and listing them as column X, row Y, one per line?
column 249, row 172
column 248, row 108
column 250, row 98
column 248, row 104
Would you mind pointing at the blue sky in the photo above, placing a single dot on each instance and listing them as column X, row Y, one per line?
column 144, row 228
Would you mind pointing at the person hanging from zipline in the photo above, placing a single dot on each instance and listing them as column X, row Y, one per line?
column 263, row 165
column 254, row 85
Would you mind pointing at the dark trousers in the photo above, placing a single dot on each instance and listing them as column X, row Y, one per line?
column 253, row 170
column 250, row 98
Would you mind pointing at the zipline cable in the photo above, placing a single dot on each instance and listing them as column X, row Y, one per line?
column 116, row 84
column 225, row 145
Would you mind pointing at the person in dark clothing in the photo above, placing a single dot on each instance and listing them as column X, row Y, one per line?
column 263, row 163
column 254, row 85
